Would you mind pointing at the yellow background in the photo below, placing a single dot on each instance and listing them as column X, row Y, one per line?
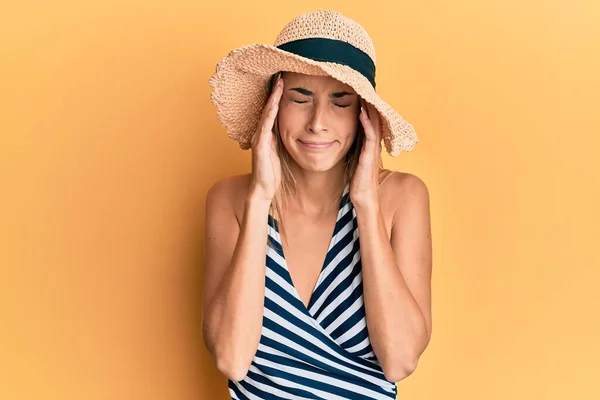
column 109, row 144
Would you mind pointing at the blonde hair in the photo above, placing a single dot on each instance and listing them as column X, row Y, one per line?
column 288, row 188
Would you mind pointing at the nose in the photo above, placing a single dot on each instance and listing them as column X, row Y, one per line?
column 318, row 120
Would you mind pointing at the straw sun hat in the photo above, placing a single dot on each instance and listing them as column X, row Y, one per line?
column 323, row 42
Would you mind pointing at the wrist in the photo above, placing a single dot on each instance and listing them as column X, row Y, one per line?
column 367, row 204
column 368, row 215
column 256, row 210
column 255, row 199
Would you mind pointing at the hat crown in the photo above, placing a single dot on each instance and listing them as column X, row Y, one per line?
column 327, row 24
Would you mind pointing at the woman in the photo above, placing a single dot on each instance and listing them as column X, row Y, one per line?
column 295, row 305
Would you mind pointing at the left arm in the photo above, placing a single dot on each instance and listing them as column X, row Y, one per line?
column 397, row 270
column 396, row 277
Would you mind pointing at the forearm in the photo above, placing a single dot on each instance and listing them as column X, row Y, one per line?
column 234, row 318
column 397, row 328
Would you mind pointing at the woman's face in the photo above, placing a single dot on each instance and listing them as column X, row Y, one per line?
column 317, row 120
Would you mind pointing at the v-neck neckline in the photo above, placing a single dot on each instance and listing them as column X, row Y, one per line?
column 323, row 265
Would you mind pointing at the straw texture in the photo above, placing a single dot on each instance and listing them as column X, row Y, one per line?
column 240, row 82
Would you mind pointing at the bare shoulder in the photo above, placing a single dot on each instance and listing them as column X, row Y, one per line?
column 402, row 183
column 404, row 192
column 229, row 192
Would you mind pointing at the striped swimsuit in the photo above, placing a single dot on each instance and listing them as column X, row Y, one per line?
column 323, row 351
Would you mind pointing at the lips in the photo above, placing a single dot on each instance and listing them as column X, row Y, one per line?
column 315, row 145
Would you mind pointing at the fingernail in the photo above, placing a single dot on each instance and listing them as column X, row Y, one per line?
column 362, row 110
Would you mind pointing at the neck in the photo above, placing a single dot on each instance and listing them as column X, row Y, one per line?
column 318, row 193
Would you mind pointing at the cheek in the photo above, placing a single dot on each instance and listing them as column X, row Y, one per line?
column 289, row 119
column 352, row 125
column 352, row 133
column 347, row 118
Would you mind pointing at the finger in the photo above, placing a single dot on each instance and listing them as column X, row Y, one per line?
column 274, row 143
column 372, row 134
column 367, row 125
column 266, row 133
column 269, row 112
column 375, row 120
column 374, row 117
column 273, row 108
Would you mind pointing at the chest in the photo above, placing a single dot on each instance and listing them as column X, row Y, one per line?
column 309, row 244
column 305, row 246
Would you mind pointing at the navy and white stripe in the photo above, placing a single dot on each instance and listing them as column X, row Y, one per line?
column 321, row 351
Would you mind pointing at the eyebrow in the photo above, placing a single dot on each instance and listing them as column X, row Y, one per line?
column 307, row 92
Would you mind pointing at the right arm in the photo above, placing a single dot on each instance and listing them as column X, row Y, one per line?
column 234, row 280
column 235, row 258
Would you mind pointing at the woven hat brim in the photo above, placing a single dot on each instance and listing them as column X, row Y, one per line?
column 240, row 87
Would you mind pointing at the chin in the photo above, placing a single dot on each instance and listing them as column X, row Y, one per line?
column 316, row 168
column 318, row 163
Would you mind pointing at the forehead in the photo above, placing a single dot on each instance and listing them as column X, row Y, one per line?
column 315, row 83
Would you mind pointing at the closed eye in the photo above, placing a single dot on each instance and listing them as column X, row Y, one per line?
column 339, row 105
